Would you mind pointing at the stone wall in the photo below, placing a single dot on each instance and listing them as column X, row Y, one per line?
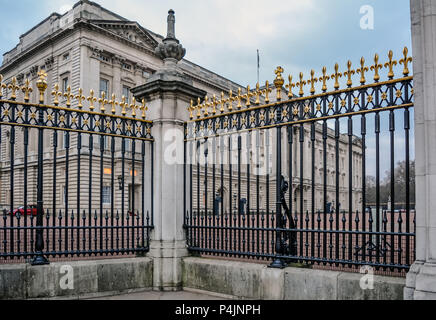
column 244, row 280
column 90, row 278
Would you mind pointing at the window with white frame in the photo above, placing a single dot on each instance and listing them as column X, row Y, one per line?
column 106, row 194
column 104, row 87
column 65, row 83
column 126, row 93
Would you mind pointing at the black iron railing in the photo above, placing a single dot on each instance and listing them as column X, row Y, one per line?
column 76, row 182
column 290, row 181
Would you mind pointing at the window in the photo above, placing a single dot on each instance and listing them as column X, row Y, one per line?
column 127, row 66
column 104, row 87
column 126, row 93
column 66, row 57
column 65, row 84
column 106, row 194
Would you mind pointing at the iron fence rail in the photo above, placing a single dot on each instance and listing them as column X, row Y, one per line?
column 77, row 182
column 301, row 224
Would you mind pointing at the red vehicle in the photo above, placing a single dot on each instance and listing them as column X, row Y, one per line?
column 31, row 211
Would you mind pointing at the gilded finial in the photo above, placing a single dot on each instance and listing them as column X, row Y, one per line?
column 134, row 107
column 239, row 98
column 279, row 82
column 144, row 108
column 290, row 86
column 222, row 102
column 123, row 105
column 91, row 100
column 405, row 61
column 41, row 84
column 113, row 103
column 190, row 109
column 26, row 90
column 336, row 76
column 248, row 96
column 301, row 84
column 312, row 81
column 257, row 94
column 69, row 96
column 349, row 73
column 102, row 101
column 80, row 97
column 390, row 64
column 376, row 67
column 267, row 91
column 205, row 106
column 324, row 79
column 362, row 70
column 198, row 107
column 14, row 87
column 214, row 104
column 230, row 100
column 56, row 94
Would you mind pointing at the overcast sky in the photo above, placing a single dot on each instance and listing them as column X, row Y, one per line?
column 223, row 35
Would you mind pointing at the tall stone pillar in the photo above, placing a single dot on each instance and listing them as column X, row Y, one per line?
column 421, row 279
column 168, row 94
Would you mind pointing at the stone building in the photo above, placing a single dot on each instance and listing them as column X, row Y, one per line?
column 90, row 47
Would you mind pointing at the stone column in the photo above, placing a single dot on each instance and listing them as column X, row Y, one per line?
column 421, row 279
column 168, row 94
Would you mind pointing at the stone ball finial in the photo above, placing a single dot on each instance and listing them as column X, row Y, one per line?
column 170, row 46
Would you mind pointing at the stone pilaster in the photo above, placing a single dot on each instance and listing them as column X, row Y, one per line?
column 421, row 279
column 168, row 94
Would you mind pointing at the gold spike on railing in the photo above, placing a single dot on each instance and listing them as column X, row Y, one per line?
column 68, row 96
column 405, row 61
column 312, row 81
column 222, row 102
column 362, row 71
column 41, row 84
column 80, row 97
column 230, row 100
column 214, row 104
column 390, row 64
column 13, row 86
column 290, row 86
column 336, row 76
column 247, row 97
column 113, row 103
column 123, row 105
column 239, row 98
column 134, row 107
column 324, row 79
column 198, row 107
column 376, row 67
column 27, row 90
column 301, row 84
column 91, row 100
column 56, row 94
column 2, row 86
column 143, row 108
column 102, row 101
column 267, row 91
column 257, row 94
column 190, row 109
column 205, row 106
column 349, row 73
column 279, row 82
